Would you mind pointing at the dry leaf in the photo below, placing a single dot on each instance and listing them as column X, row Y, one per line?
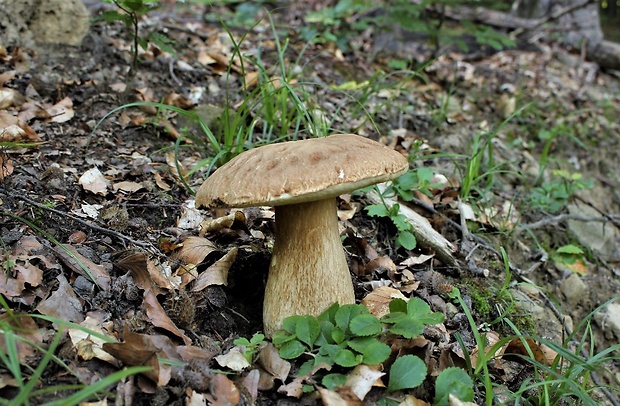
column 93, row 181
column 26, row 328
column 250, row 383
column 233, row 360
column 127, row 186
column 362, row 379
column 195, row 249
column 157, row 315
column 161, row 275
column 63, row 304
column 76, row 261
column 219, row 223
column 88, row 345
column 412, row 401
column 378, row 301
column 223, row 391
column 269, row 359
column 62, row 111
column 216, row 274
column 6, row 165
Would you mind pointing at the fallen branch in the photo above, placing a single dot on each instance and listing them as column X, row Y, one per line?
column 557, row 219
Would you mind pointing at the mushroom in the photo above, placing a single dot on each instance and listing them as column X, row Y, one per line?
column 308, row 270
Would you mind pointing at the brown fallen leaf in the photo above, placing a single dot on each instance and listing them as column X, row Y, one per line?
column 137, row 264
column 216, row 274
column 157, row 315
column 127, row 186
column 88, row 345
column 378, row 301
column 6, row 165
column 223, row 391
column 269, row 359
column 25, row 327
column 233, row 360
column 146, row 349
column 363, row 378
column 340, row 398
column 63, row 303
column 194, row 250
column 61, row 111
column 83, row 266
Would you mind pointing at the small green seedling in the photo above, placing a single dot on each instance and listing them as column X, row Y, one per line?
column 251, row 346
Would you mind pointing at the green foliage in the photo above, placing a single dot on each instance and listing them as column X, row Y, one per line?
column 407, row 372
column 453, row 381
column 348, row 335
column 251, row 346
column 404, row 236
column 129, row 12
column 554, row 195
column 347, row 18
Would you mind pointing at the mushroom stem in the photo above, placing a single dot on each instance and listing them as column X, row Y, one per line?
column 308, row 270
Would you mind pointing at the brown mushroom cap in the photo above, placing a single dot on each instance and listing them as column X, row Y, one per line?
column 300, row 171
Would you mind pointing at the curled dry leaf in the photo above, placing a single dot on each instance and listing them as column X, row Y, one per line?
column 6, row 165
column 90, row 346
column 380, row 264
column 295, row 387
column 157, row 315
column 12, row 129
column 542, row 353
column 378, row 301
column 195, row 249
column 216, row 274
column 363, row 378
column 454, row 401
column 269, row 359
column 219, row 223
column 62, row 111
column 191, row 217
column 127, row 186
column 93, row 181
column 145, row 349
column 161, row 274
column 333, row 398
column 411, row 400
column 233, row 360
column 223, row 391
column 250, row 383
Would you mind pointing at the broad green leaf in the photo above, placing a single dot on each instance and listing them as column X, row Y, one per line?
column 373, row 351
column 280, row 337
column 407, row 240
column 394, row 317
column 377, row 210
column 290, row 323
column 419, row 310
column 454, row 381
column 407, row 372
column 570, row 249
column 292, row 349
column 347, row 358
column 307, row 330
column 398, row 305
column 346, row 313
column 331, row 381
column 330, row 314
column 365, row 325
column 408, row 328
column 338, row 335
column 257, row 339
column 325, row 335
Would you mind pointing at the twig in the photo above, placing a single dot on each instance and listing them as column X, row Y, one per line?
column 557, row 219
column 102, row 230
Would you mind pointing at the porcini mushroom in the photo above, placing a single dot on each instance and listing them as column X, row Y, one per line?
column 308, row 270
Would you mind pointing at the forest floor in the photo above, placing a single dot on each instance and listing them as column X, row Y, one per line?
column 96, row 224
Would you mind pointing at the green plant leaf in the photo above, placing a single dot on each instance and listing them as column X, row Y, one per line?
column 408, row 328
column 373, row 351
column 347, row 358
column 290, row 323
column 307, row 330
column 292, row 349
column 325, row 335
column 406, row 240
column 570, row 249
column 338, row 335
column 398, row 305
column 346, row 313
column 377, row 210
column 419, row 310
column 329, row 314
column 454, row 381
column 280, row 337
column 407, row 372
column 365, row 325
column 331, row 381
